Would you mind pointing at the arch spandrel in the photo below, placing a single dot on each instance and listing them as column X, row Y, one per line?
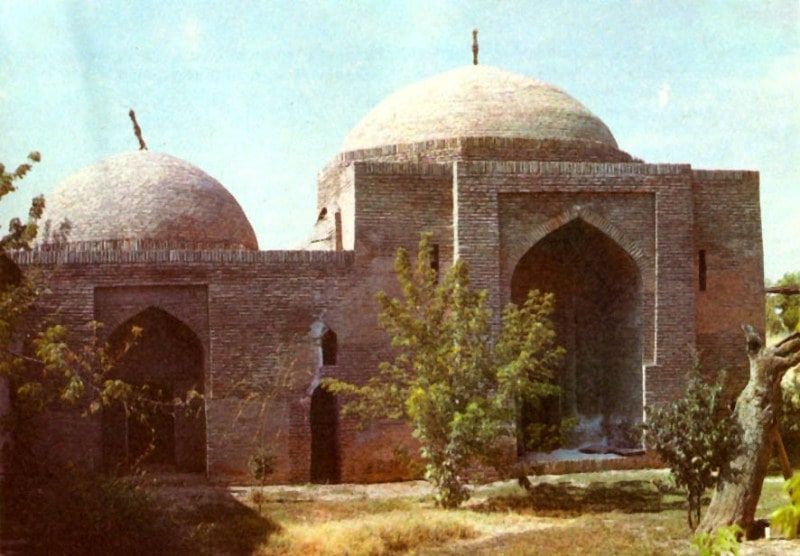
column 162, row 319
column 114, row 305
column 538, row 233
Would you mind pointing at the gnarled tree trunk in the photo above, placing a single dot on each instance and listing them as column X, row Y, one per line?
column 758, row 412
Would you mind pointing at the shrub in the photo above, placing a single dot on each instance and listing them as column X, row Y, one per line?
column 696, row 436
column 724, row 541
column 261, row 465
column 787, row 518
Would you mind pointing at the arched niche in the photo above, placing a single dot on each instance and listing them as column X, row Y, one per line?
column 598, row 320
column 329, row 346
column 168, row 357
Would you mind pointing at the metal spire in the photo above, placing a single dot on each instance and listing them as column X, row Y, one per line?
column 137, row 130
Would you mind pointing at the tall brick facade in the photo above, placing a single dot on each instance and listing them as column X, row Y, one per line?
column 650, row 263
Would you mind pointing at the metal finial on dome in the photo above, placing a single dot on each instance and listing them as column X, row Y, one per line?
column 137, row 130
column 475, row 46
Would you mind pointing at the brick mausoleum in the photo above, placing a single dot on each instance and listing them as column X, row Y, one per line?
column 650, row 263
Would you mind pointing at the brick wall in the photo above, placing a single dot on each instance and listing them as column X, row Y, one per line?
column 727, row 218
column 253, row 311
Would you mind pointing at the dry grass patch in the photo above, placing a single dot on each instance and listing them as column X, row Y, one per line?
column 595, row 534
column 389, row 533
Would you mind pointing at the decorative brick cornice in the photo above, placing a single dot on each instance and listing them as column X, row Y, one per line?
column 538, row 168
column 726, row 174
column 405, row 168
column 456, row 148
column 68, row 254
column 614, row 169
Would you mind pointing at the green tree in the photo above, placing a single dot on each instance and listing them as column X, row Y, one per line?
column 459, row 386
column 783, row 311
column 17, row 292
column 696, row 436
column 20, row 234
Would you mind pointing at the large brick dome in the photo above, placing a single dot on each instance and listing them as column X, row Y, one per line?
column 145, row 195
column 478, row 101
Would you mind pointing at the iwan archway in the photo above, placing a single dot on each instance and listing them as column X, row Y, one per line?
column 168, row 357
column 598, row 320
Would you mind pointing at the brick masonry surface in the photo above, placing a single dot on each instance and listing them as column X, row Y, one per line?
column 259, row 315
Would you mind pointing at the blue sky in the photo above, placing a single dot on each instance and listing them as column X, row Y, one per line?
column 261, row 94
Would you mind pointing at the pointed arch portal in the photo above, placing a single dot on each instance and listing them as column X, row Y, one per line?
column 597, row 286
column 168, row 357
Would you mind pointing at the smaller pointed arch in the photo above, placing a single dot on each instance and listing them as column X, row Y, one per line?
column 327, row 342
column 330, row 347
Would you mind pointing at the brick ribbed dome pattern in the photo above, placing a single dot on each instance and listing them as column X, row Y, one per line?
column 145, row 195
column 478, row 101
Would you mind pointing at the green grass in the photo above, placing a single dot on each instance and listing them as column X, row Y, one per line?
column 630, row 512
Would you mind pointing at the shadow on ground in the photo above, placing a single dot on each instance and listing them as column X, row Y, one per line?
column 226, row 527
column 562, row 497
column 210, row 519
column 86, row 513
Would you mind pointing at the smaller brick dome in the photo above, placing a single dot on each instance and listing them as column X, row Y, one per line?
column 146, row 195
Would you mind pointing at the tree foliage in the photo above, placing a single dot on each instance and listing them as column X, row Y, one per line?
column 20, row 234
column 696, row 436
column 783, row 311
column 790, row 393
column 459, row 386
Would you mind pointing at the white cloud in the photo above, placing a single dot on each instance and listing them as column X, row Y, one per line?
column 663, row 95
column 192, row 36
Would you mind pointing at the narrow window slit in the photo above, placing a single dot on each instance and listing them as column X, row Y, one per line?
column 702, row 269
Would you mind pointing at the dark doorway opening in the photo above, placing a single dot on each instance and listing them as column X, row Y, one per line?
column 168, row 359
column 598, row 321
column 324, row 438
